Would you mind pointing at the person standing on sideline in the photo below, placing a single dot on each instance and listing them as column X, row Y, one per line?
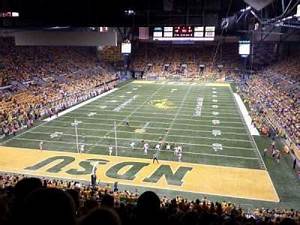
column 41, row 145
column 294, row 163
column 155, row 157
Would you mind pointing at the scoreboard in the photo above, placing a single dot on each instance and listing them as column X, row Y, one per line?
column 184, row 33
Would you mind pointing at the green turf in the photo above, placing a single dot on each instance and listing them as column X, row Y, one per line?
column 175, row 125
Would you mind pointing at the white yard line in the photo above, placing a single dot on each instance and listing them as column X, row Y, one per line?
column 145, row 126
column 153, row 141
column 127, row 147
column 80, row 105
column 187, row 106
column 124, row 104
column 253, row 143
column 136, row 109
column 177, row 113
column 153, row 122
column 158, row 128
column 262, row 162
column 148, row 117
column 206, row 101
column 166, row 114
column 141, row 112
column 174, row 135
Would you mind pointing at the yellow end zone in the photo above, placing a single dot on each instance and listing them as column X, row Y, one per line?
column 198, row 178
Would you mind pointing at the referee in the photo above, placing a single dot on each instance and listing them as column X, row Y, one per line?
column 155, row 157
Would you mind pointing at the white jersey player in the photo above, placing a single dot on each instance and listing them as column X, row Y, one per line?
column 132, row 144
column 41, row 145
column 168, row 147
column 146, row 147
column 179, row 148
column 175, row 150
column 81, row 148
column 157, row 147
column 110, row 150
column 179, row 156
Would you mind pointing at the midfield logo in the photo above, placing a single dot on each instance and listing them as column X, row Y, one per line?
column 162, row 104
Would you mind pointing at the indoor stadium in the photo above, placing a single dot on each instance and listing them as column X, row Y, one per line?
column 172, row 112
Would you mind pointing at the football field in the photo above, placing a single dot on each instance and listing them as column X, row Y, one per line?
column 203, row 118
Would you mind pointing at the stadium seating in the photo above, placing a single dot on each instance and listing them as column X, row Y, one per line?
column 41, row 81
column 273, row 97
column 32, row 201
column 183, row 61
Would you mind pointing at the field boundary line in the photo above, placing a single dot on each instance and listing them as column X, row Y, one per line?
column 80, row 105
column 177, row 113
column 257, row 153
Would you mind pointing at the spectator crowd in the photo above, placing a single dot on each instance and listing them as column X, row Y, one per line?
column 170, row 61
column 34, row 201
column 273, row 96
column 38, row 82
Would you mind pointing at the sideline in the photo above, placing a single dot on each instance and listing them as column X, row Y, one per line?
column 79, row 105
column 247, row 118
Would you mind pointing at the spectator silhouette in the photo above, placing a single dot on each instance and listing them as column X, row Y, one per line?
column 26, row 186
column 101, row 216
column 107, row 201
column 48, row 206
column 22, row 189
column 75, row 194
column 148, row 209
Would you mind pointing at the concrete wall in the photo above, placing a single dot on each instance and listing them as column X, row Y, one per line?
column 63, row 38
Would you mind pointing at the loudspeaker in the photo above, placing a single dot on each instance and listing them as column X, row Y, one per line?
column 258, row 4
column 228, row 22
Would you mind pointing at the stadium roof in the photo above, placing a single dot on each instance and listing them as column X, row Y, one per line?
column 117, row 12
column 134, row 13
